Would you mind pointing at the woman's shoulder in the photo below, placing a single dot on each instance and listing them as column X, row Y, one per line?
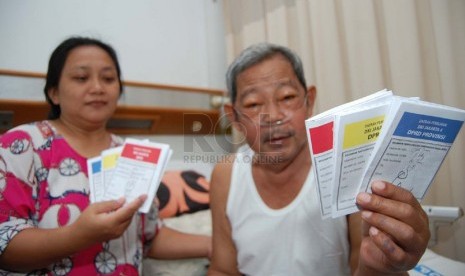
column 35, row 130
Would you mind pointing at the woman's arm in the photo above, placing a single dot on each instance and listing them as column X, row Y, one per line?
column 35, row 248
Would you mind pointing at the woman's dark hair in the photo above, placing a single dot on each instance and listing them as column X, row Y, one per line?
column 57, row 62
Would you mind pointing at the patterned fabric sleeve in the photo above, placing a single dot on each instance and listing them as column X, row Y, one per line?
column 151, row 225
column 17, row 185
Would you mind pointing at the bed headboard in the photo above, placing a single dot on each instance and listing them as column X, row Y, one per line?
column 144, row 108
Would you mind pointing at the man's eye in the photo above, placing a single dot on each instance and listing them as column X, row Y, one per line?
column 288, row 98
column 251, row 105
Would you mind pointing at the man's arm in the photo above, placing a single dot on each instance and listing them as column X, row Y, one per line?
column 395, row 230
column 170, row 244
column 354, row 222
column 224, row 257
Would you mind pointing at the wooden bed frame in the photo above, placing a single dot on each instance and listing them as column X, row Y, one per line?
column 127, row 119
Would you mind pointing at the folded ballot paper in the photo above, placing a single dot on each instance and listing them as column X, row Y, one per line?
column 134, row 169
column 378, row 137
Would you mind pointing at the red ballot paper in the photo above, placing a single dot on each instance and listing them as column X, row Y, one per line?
column 138, row 171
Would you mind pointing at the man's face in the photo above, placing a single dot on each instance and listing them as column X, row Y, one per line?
column 271, row 107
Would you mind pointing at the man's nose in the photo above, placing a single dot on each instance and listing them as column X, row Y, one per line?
column 272, row 112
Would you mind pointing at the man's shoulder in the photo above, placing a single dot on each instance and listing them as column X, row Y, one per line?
column 225, row 164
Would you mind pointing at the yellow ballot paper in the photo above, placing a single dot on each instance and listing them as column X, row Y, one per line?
column 356, row 133
column 109, row 158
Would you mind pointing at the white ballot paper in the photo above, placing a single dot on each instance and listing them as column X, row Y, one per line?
column 355, row 134
column 320, row 136
column 139, row 171
column 413, row 143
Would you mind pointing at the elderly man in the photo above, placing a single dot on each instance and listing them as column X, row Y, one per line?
column 264, row 205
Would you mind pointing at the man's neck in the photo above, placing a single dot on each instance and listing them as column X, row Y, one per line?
column 279, row 183
column 277, row 166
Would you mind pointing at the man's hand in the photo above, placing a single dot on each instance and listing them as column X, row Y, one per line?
column 395, row 230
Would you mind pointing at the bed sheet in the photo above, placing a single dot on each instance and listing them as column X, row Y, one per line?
column 433, row 264
column 196, row 223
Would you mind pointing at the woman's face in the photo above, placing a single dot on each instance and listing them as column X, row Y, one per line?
column 88, row 89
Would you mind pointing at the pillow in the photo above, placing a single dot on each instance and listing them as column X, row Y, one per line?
column 182, row 192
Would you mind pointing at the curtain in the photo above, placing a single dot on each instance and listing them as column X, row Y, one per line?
column 353, row 48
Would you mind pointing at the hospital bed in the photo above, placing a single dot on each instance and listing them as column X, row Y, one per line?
column 196, row 116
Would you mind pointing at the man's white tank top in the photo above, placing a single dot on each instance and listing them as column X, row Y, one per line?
column 293, row 240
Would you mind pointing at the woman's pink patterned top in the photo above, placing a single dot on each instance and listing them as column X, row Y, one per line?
column 44, row 184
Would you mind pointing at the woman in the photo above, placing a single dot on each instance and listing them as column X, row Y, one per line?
column 47, row 224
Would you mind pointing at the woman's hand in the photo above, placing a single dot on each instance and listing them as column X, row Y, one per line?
column 103, row 221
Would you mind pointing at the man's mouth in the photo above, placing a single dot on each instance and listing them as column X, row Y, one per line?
column 277, row 137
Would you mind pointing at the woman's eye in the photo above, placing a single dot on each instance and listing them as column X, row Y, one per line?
column 109, row 79
column 80, row 78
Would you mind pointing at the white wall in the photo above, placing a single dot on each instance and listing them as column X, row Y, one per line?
column 178, row 42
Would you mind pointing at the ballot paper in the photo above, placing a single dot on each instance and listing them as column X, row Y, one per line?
column 415, row 140
column 320, row 135
column 381, row 136
column 355, row 135
column 94, row 170
column 109, row 158
column 134, row 169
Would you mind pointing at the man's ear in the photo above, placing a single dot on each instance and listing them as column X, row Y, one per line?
column 311, row 96
column 232, row 116
column 53, row 95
